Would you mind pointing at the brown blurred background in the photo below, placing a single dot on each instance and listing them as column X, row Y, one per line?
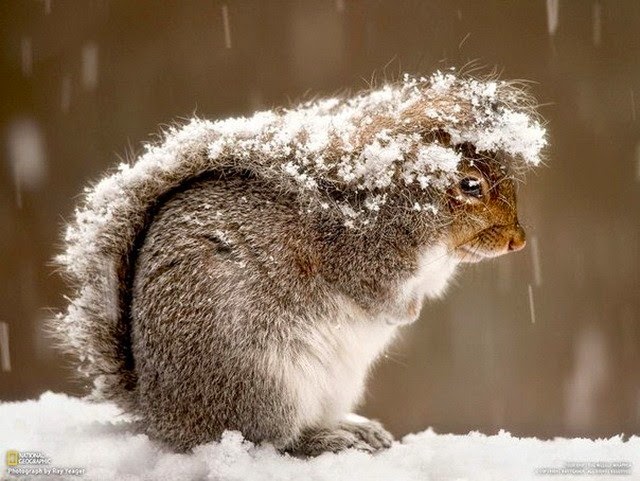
column 85, row 82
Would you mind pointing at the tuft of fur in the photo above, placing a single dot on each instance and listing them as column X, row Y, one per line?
column 338, row 197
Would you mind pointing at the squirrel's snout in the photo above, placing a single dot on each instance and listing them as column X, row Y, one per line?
column 518, row 239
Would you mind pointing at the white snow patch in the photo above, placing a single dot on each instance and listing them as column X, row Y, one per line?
column 438, row 157
column 513, row 132
column 76, row 434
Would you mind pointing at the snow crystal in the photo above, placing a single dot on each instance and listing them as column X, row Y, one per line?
column 373, row 203
column 377, row 162
column 442, row 82
column 445, row 159
column 95, row 437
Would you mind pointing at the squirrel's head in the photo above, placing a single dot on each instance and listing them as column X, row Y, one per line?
column 483, row 206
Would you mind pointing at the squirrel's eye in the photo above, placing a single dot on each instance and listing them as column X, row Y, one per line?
column 471, row 186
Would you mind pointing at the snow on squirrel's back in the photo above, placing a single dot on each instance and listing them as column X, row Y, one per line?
column 373, row 143
column 79, row 434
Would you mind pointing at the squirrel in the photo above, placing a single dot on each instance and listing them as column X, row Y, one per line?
column 245, row 274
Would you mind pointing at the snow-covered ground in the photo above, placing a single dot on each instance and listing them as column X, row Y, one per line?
column 73, row 433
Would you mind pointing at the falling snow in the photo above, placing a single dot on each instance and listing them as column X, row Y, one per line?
column 5, row 357
column 26, row 55
column 226, row 26
column 638, row 160
column 588, row 380
column 26, row 155
column 535, row 261
column 532, row 306
column 90, row 66
column 552, row 16
column 597, row 24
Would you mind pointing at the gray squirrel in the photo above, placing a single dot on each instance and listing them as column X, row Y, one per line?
column 245, row 274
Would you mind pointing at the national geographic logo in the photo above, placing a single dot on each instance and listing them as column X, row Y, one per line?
column 31, row 458
column 13, row 458
column 36, row 463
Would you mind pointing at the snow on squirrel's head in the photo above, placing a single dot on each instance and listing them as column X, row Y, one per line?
column 410, row 136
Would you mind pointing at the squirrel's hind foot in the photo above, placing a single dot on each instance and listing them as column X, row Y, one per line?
column 369, row 431
column 314, row 442
column 361, row 434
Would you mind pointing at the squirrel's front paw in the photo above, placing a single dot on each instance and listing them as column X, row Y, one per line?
column 367, row 430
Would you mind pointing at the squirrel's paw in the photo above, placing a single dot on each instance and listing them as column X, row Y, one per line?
column 367, row 430
column 314, row 442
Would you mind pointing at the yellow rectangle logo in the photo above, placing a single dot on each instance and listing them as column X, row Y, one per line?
column 12, row 458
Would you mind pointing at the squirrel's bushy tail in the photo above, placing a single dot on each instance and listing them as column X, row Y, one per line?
column 99, row 252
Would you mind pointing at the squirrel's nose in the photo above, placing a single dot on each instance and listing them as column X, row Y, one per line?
column 518, row 239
